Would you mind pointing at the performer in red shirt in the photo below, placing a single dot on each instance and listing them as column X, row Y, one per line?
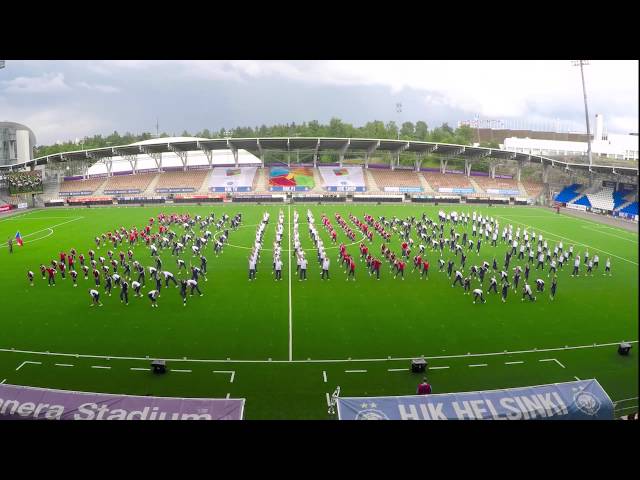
column 376, row 267
column 62, row 267
column 425, row 269
column 52, row 276
column 401, row 266
column 424, row 388
column 352, row 270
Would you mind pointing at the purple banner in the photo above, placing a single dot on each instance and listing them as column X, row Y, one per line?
column 30, row 403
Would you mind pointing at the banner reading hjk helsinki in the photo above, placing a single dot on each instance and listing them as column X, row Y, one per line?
column 582, row 400
column 29, row 403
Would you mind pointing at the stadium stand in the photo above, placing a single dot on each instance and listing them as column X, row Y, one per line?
column 631, row 209
column 75, row 186
column 602, row 199
column 439, row 181
column 191, row 179
column 620, row 198
column 568, row 193
column 532, row 189
column 584, row 200
column 395, row 178
column 138, row 182
column 500, row 184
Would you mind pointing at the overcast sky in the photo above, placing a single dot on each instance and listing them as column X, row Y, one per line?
column 63, row 100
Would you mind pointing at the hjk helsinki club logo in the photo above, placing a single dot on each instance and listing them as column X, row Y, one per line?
column 370, row 412
column 586, row 402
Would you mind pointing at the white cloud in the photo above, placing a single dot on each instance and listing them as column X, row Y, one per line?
column 98, row 88
column 498, row 89
column 47, row 83
column 55, row 122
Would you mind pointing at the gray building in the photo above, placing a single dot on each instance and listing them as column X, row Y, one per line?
column 17, row 143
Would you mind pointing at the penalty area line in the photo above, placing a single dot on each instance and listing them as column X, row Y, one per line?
column 26, row 362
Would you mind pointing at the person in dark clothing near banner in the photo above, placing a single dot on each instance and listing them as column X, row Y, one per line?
column 10, row 243
column 424, row 388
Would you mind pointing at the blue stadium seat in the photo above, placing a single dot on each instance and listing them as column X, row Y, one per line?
column 568, row 193
column 583, row 200
column 631, row 209
column 618, row 198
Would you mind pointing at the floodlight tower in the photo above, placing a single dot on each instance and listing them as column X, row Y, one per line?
column 581, row 64
column 399, row 111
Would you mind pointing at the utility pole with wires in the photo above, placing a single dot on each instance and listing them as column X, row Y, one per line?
column 581, row 64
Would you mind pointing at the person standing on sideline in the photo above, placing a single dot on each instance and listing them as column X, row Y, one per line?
column 424, row 388
column 10, row 243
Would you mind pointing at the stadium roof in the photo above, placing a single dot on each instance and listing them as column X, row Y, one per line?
column 313, row 144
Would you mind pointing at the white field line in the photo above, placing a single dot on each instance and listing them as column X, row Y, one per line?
column 599, row 230
column 26, row 362
column 355, row 371
column 99, row 366
column 479, row 365
column 437, row 368
column 43, row 229
column 63, row 365
column 397, row 369
column 290, row 273
column 569, row 239
column 228, row 396
column 625, row 400
column 576, row 378
column 324, row 376
column 20, row 215
column 552, row 360
column 328, row 399
column 627, row 408
column 232, row 372
column 513, row 363
column 4, row 380
column 138, row 368
column 340, row 360
column 181, row 371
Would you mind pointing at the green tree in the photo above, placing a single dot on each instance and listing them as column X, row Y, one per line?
column 421, row 131
column 407, row 131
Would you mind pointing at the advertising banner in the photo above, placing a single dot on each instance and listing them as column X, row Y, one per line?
column 580, row 400
column 118, row 192
column 497, row 191
column 403, row 189
column 29, row 403
column 455, row 190
column 175, row 190
column 577, row 207
column 343, row 179
column 23, row 205
column 226, row 179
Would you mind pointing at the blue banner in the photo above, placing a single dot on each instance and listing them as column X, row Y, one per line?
column 581, row 400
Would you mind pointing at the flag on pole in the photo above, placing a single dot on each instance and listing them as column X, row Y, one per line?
column 19, row 238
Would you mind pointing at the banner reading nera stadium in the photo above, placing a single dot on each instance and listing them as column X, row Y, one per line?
column 29, row 403
column 582, row 400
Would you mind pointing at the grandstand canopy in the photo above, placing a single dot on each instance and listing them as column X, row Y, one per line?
column 317, row 144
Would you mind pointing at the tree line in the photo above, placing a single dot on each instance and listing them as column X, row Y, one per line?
column 463, row 135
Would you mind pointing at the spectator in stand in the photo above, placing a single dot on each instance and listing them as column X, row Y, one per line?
column 424, row 388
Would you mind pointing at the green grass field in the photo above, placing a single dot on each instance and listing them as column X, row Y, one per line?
column 284, row 345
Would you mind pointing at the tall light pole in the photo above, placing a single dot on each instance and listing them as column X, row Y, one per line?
column 581, row 64
column 398, row 111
